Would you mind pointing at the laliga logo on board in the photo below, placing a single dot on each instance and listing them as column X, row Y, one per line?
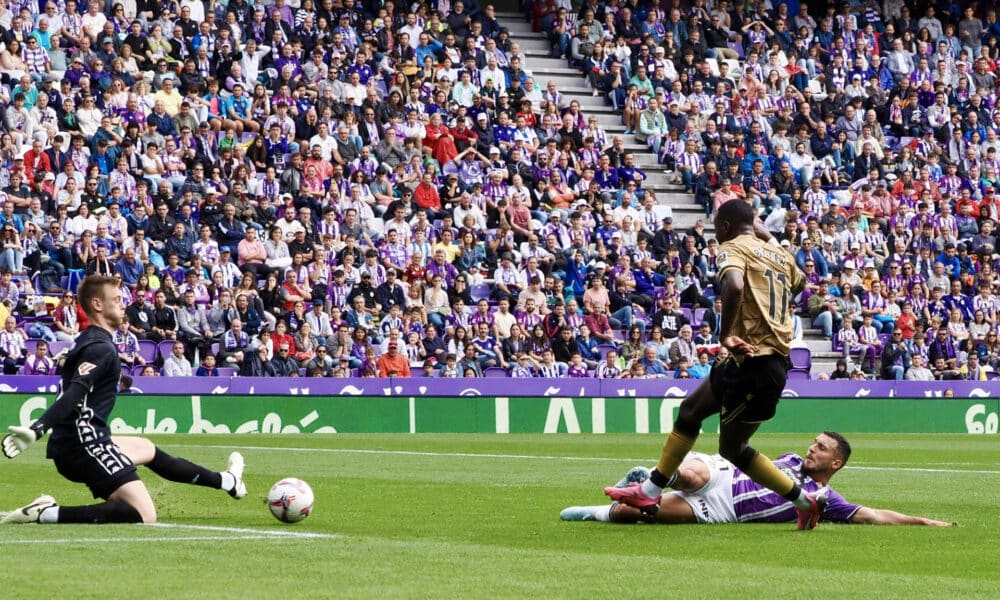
column 989, row 424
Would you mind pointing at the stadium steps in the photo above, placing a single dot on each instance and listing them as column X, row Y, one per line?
column 824, row 359
column 573, row 86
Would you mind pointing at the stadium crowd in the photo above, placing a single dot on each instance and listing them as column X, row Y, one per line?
column 340, row 188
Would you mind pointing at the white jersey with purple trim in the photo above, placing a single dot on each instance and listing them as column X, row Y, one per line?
column 754, row 503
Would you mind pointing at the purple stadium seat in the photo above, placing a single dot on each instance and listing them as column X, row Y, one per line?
column 479, row 291
column 57, row 347
column 495, row 372
column 801, row 358
column 147, row 350
column 798, row 374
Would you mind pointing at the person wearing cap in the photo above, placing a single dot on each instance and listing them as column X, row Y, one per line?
column 393, row 363
column 665, row 238
column 833, row 215
column 855, row 88
column 482, row 129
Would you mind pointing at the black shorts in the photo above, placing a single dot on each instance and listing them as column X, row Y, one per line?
column 102, row 467
column 749, row 392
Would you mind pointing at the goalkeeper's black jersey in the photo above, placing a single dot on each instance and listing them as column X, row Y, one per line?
column 93, row 363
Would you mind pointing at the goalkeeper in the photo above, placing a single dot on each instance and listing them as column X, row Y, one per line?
column 81, row 445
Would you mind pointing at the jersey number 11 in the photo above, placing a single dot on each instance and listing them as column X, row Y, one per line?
column 774, row 310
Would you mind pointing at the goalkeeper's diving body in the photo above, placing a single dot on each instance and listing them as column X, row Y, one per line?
column 81, row 445
column 758, row 278
column 710, row 490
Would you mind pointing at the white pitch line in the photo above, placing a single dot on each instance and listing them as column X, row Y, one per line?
column 193, row 538
column 923, row 470
column 540, row 457
column 242, row 533
column 246, row 530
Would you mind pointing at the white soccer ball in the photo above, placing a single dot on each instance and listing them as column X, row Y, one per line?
column 290, row 500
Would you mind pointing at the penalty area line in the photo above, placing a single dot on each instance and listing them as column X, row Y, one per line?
column 120, row 540
column 230, row 534
column 640, row 461
column 273, row 533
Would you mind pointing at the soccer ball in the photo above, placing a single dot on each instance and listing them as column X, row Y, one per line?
column 290, row 500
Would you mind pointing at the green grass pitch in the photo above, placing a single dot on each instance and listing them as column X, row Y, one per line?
column 465, row 516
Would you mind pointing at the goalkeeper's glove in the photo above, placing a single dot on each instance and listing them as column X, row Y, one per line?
column 20, row 438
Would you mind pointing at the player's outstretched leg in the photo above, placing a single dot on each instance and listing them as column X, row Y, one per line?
column 646, row 495
column 179, row 470
column 45, row 510
column 28, row 513
column 235, row 470
column 674, row 510
column 615, row 512
column 587, row 513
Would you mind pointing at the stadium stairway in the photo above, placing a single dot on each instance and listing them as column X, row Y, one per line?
column 685, row 212
column 572, row 85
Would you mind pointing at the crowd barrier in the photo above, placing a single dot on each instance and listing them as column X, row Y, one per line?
column 268, row 405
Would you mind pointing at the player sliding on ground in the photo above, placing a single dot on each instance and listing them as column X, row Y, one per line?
column 709, row 489
column 757, row 279
column 81, row 445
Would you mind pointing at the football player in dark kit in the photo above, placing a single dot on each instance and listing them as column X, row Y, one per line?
column 757, row 279
column 81, row 445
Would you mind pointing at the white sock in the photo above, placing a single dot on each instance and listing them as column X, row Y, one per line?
column 228, row 481
column 49, row 515
column 603, row 513
column 651, row 489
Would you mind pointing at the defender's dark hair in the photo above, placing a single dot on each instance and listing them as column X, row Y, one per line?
column 843, row 446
